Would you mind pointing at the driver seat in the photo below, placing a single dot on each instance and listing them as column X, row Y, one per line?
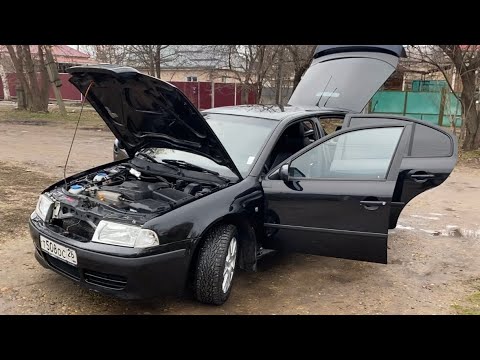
column 292, row 141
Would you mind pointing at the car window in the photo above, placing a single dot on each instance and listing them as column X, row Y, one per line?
column 363, row 121
column 330, row 125
column 429, row 142
column 364, row 154
column 293, row 139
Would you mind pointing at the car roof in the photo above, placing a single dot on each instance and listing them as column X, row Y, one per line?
column 271, row 112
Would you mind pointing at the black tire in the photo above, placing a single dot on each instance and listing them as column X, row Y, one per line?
column 208, row 278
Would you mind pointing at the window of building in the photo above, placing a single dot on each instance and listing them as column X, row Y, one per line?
column 192, row 78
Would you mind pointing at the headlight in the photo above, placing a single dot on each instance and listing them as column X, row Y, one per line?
column 44, row 207
column 112, row 233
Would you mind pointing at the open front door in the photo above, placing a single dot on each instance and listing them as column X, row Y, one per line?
column 335, row 200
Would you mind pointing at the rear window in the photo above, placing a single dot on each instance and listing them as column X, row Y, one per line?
column 429, row 142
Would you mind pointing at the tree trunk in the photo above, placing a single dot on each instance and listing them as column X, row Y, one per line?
column 470, row 113
column 244, row 94
column 258, row 93
column 279, row 78
column 298, row 74
column 52, row 71
column 466, row 63
column 157, row 61
column 36, row 104
column 21, row 86
column 3, row 77
column 151, row 60
column 44, row 80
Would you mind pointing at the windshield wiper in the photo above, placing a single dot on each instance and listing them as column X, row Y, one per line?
column 187, row 165
column 148, row 157
column 152, row 159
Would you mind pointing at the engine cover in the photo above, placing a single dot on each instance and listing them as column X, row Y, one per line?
column 135, row 190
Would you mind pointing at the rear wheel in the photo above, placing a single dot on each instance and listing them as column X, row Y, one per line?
column 216, row 265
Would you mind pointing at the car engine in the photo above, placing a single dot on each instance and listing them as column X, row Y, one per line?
column 120, row 192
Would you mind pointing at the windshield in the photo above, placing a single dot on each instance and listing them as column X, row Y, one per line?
column 242, row 137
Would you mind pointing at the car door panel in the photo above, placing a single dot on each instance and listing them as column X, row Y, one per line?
column 334, row 202
column 429, row 159
column 346, row 218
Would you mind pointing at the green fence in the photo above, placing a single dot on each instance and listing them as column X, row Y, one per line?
column 425, row 106
column 429, row 85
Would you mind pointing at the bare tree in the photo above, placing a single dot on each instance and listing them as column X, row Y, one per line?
column 251, row 65
column 30, row 94
column 151, row 57
column 301, row 57
column 21, row 85
column 110, row 54
column 279, row 76
column 277, row 66
column 44, row 79
column 3, row 77
column 462, row 61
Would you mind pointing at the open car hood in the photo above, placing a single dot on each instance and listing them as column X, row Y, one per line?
column 346, row 76
column 143, row 111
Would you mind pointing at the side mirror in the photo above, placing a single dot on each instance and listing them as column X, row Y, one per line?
column 283, row 173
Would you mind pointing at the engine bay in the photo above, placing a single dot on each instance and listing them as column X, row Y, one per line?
column 120, row 192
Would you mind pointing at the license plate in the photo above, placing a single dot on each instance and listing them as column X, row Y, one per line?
column 58, row 251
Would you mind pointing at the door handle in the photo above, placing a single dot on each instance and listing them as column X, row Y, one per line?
column 372, row 204
column 421, row 176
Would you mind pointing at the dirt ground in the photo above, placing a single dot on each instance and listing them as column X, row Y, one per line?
column 431, row 269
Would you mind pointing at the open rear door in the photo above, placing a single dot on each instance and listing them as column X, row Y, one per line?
column 429, row 159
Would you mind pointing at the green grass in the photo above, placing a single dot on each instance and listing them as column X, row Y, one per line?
column 89, row 118
column 471, row 306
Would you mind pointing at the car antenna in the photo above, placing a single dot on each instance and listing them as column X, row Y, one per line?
column 330, row 96
column 75, row 133
column 328, row 82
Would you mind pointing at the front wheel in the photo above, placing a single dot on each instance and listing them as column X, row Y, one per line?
column 216, row 265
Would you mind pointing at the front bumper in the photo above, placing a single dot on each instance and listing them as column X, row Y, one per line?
column 124, row 277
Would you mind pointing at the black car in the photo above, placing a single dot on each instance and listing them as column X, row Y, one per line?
column 203, row 194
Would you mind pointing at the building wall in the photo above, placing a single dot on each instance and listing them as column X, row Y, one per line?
column 220, row 76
